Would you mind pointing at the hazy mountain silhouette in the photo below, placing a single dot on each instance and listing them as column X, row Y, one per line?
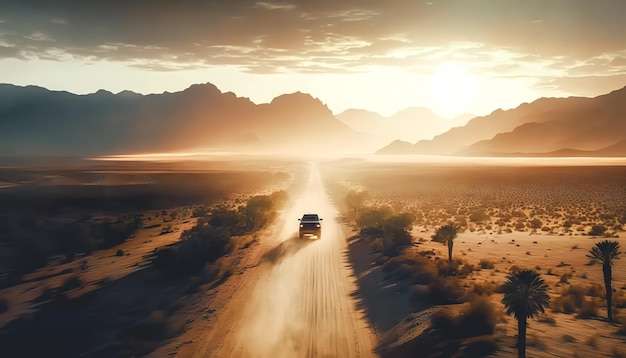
column 410, row 124
column 544, row 126
column 36, row 121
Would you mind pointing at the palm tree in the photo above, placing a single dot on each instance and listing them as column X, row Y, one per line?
column 447, row 234
column 605, row 252
column 525, row 295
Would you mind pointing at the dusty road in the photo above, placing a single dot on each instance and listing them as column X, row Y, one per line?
column 297, row 301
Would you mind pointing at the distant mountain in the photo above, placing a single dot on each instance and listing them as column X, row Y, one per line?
column 547, row 125
column 36, row 121
column 410, row 124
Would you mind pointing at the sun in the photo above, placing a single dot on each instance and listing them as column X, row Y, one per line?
column 453, row 89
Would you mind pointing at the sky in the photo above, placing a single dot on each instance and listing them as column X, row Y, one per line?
column 451, row 56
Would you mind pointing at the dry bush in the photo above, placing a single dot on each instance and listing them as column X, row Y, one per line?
column 564, row 278
column 477, row 319
column 545, row 318
column 486, row 264
column 592, row 341
column 589, row 308
column 446, row 290
column 486, row 288
column 566, row 338
column 571, row 300
column 71, row 283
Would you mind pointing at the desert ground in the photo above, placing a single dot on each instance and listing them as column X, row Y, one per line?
column 270, row 294
column 513, row 217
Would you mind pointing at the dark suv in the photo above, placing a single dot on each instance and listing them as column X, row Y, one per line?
column 310, row 225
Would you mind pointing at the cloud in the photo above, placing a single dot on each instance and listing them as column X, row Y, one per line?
column 584, row 85
column 317, row 35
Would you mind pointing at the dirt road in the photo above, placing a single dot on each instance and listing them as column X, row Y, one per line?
column 297, row 302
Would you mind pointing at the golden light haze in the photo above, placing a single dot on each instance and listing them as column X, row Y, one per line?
column 450, row 56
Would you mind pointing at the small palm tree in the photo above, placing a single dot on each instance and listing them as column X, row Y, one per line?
column 525, row 295
column 447, row 234
column 605, row 252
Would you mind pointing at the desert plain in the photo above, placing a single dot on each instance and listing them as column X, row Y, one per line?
column 267, row 293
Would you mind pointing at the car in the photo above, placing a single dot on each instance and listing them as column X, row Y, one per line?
column 310, row 225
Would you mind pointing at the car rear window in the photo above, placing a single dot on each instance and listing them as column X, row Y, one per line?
column 309, row 217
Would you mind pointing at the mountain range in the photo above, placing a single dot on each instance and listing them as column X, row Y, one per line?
column 36, row 121
column 410, row 124
column 573, row 126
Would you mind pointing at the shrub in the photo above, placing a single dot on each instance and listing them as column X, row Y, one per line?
column 478, row 319
column 485, row 288
column 589, row 308
column 486, row 264
column 445, row 291
column 71, row 283
column 119, row 252
column 597, row 230
column 568, row 338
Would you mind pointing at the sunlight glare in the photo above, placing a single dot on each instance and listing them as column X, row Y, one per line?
column 453, row 89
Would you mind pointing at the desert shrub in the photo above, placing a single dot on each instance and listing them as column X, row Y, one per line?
column 231, row 220
column 466, row 269
column 535, row 223
column 486, row 288
column 571, row 299
column 564, row 278
column 71, row 283
column 592, row 341
column 445, row 291
column 355, row 201
column 382, row 222
column 589, row 308
column 596, row 290
column 119, row 252
column 199, row 211
column 568, row 338
column 478, row 216
column 118, row 231
column 597, row 230
column 260, row 210
column 545, row 318
column 477, row 319
column 486, row 264
column 532, row 340
column 201, row 244
column 4, row 305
